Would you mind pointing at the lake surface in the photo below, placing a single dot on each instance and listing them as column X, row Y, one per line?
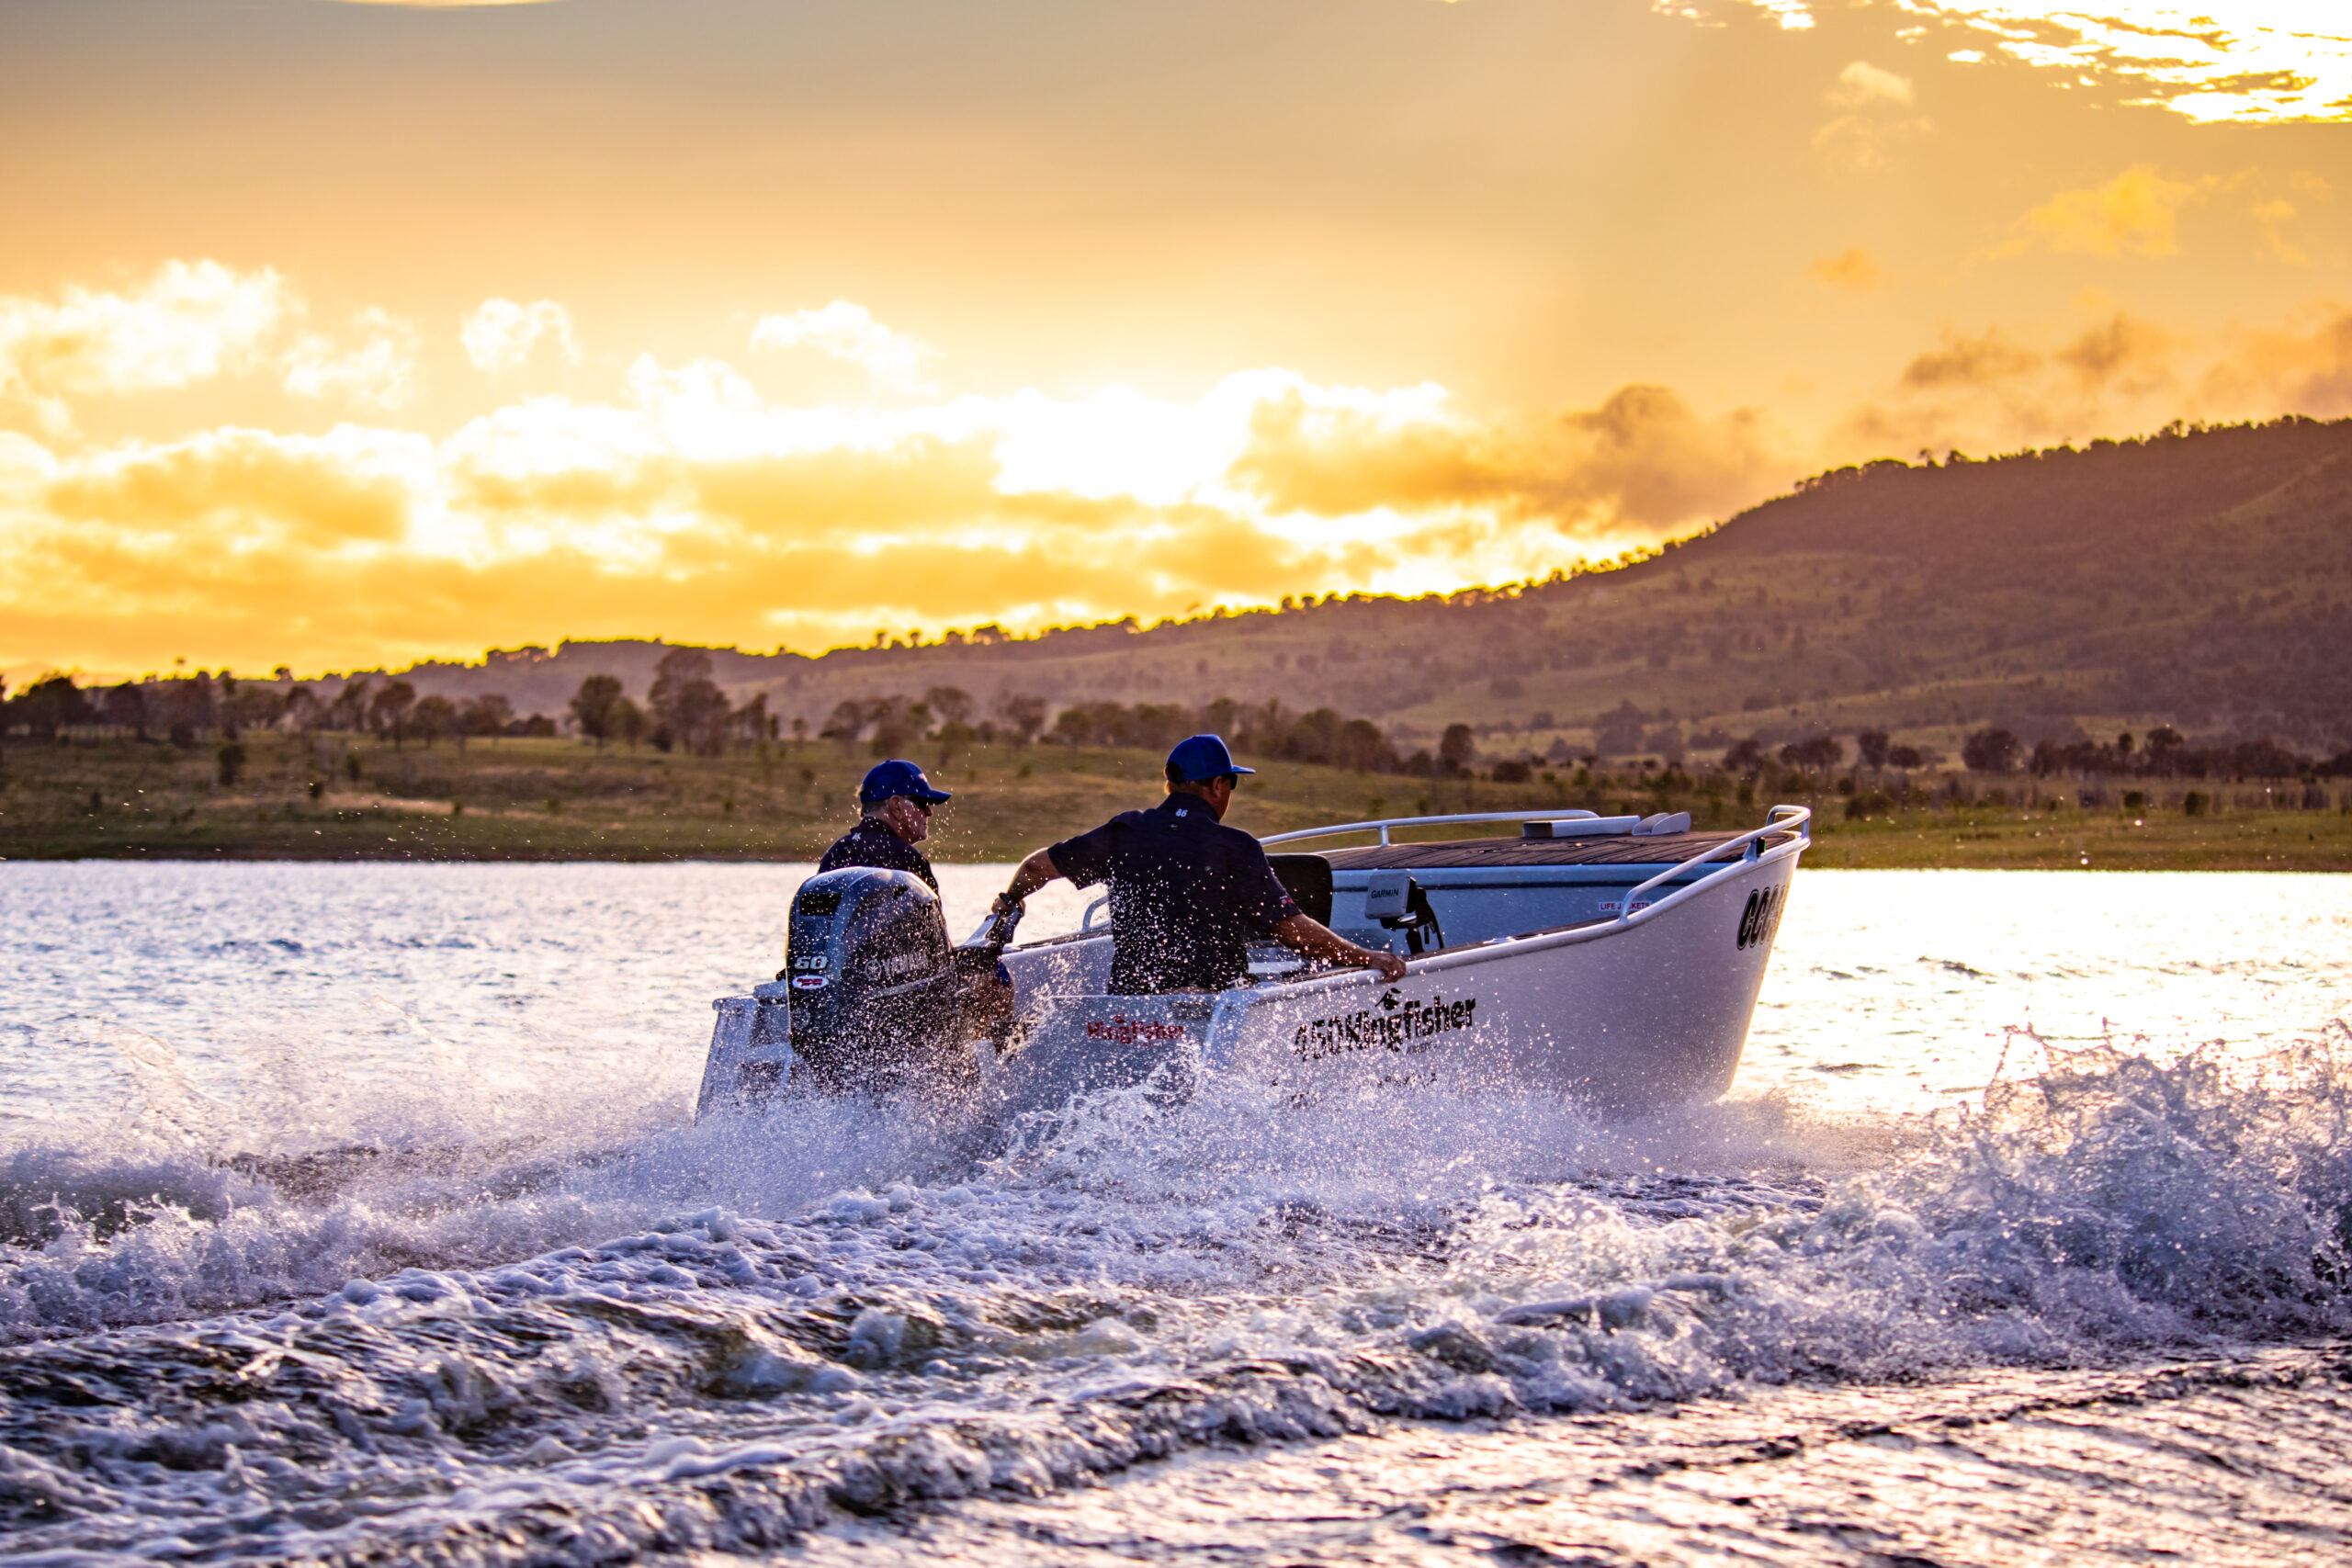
column 357, row 1211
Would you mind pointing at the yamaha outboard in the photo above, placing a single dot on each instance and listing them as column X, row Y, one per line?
column 873, row 985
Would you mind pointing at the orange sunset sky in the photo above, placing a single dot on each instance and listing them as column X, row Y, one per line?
column 335, row 335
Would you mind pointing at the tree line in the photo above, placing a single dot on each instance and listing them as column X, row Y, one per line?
column 684, row 708
column 2165, row 752
column 183, row 709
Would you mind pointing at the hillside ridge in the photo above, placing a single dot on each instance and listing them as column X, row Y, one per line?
column 2198, row 578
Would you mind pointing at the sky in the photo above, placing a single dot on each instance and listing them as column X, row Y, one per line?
column 337, row 334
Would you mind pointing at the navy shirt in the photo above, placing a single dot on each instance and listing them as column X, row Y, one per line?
column 1188, row 895
column 872, row 843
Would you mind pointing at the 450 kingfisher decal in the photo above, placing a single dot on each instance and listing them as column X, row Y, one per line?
column 1394, row 1023
column 1762, row 919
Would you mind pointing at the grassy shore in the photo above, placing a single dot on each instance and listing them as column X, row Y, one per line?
column 332, row 798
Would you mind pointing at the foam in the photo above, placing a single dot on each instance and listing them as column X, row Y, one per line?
column 1123, row 1280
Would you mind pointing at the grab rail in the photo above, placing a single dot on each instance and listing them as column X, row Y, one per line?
column 1780, row 818
column 1384, row 823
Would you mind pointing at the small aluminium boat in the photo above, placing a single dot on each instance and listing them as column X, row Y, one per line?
column 1615, row 960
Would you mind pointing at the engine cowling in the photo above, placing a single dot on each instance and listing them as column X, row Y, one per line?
column 874, row 985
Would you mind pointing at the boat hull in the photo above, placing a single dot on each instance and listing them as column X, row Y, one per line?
column 1628, row 1017
column 1633, row 1012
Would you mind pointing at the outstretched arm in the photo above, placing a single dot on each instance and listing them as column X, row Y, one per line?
column 1034, row 874
column 1310, row 937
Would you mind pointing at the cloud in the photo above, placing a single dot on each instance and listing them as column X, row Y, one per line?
column 2264, row 61
column 2119, row 373
column 189, row 322
column 2124, row 350
column 1863, row 86
column 1852, row 271
column 380, row 371
column 1794, row 16
column 243, row 489
column 2307, row 371
column 502, row 335
column 2135, row 213
column 691, row 502
column 1875, row 103
column 1964, row 361
column 1642, row 462
column 848, row 331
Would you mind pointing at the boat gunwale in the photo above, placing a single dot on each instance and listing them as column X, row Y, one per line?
column 1794, row 821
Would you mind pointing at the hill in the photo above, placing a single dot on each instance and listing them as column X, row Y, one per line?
column 2198, row 578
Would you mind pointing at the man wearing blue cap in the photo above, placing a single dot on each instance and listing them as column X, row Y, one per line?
column 1188, row 894
column 897, row 801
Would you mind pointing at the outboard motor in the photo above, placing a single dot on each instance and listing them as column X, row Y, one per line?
column 875, row 990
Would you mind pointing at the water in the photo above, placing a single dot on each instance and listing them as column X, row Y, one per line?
column 353, row 1212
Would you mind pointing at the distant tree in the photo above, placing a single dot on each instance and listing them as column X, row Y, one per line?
column 687, row 703
column 592, row 708
column 1904, row 756
column 1455, row 747
column 629, row 723
column 487, row 716
column 1990, row 751
column 349, row 709
column 1870, row 746
column 1617, row 732
column 844, row 725
column 897, row 724
column 1746, row 757
column 951, row 704
column 389, row 708
column 125, row 708
column 304, row 711
column 231, row 762
column 1815, row 754
column 750, row 724
column 432, row 717
column 1025, row 713
column 188, row 708
column 800, row 733
column 250, row 704
column 224, row 708
column 48, row 706
column 1362, row 747
column 954, row 739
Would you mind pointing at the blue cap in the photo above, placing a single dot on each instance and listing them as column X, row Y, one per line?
column 1201, row 758
column 897, row 777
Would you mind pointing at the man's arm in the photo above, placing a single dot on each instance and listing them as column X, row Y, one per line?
column 1033, row 874
column 1310, row 937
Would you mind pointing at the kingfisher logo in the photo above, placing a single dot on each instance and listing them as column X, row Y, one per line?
column 1399, row 1025
column 1121, row 1029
